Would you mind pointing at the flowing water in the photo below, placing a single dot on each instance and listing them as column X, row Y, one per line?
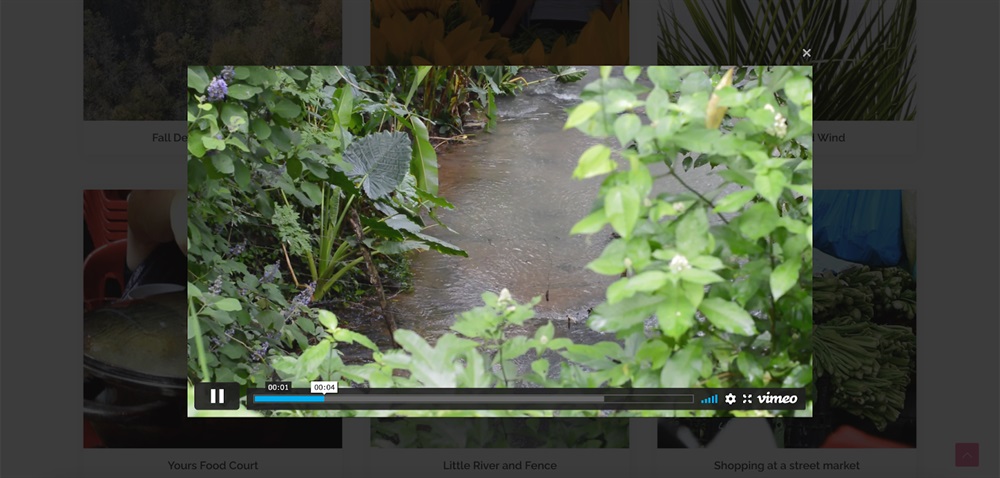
column 515, row 203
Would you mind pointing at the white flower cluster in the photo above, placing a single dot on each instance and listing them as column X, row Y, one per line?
column 780, row 126
column 679, row 263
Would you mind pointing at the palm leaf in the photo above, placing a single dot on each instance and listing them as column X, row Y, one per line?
column 863, row 65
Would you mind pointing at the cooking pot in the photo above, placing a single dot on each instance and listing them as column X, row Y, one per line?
column 136, row 386
column 135, row 369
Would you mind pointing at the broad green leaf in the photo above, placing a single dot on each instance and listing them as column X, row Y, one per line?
column 632, row 72
column 709, row 263
column 664, row 77
column 260, row 129
column 657, row 104
column 312, row 358
column 381, row 160
column 595, row 161
column 583, row 112
column 627, row 126
column 728, row 316
column 647, row 281
column 312, row 191
column 328, row 319
column 242, row 92
column 594, row 222
column 625, row 314
column 234, row 117
column 676, row 314
column 750, row 366
column 287, row 109
column 770, row 185
column 700, row 277
column 197, row 78
column 228, row 304
column 611, row 262
column 692, row 232
column 783, row 278
column 241, row 174
column 223, row 163
column 681, row 370
column 424, row 166
column 621, row 206
column 735, row 201
column 799, row 90
column 759, row 220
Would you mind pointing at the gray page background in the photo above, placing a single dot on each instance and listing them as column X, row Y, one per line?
column 45, row 167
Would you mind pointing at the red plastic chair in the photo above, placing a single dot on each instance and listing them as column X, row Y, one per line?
column 106, row 263
column 106, row 215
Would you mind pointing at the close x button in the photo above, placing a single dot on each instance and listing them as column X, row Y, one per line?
column 217, row 396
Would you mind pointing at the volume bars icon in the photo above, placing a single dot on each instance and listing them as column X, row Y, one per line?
column 712, row 399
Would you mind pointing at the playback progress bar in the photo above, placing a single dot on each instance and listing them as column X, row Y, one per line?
column 285, row 397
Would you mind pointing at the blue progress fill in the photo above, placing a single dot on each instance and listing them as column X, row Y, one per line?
column 288, row 398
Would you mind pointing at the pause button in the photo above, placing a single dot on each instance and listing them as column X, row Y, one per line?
column 217, row 396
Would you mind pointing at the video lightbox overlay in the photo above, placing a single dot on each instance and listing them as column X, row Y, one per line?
column 500, row 241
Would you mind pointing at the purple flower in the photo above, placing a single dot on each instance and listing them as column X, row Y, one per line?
column 271, row 272
column 299, row 302
column 217, row 89
column 238, row 249
column 216, row 287
column 228, row 73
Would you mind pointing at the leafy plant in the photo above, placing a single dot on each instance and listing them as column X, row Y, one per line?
column 864, row 65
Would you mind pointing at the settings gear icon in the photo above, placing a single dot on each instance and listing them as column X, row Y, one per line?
column 730, row 399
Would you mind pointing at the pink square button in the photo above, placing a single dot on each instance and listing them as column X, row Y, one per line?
column 966, row 454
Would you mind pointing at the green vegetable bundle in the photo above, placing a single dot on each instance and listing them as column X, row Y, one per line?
column 869, row 364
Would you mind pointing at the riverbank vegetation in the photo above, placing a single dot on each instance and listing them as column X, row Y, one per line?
column 308, row 185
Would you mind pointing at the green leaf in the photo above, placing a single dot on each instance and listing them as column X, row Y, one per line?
column 622, row 207
column 260, row 129
column 223, row 163
column 735, row 201
column 692, row 232
column 770, row 185
column 799, row 90
column 243, row 92
column 197, row 78
column 657, row 104
column 241, row 174
column 234, row 117
column 681, row 370
column 287, row 109
column 313, row 191
column 664, row 77
column 381, row 160
column 627, row 126
column 676, row 315
column 647, row 281
column 311, row 359
column 783, row 278
column 728, row 316
column 594, row 222
column 228, row 305
column 595, row 161
column 632, row 72
column 625, row 314
column 328, row 319
column 611, row 262
column 700, row 277
column 196, row 145
column 759, row 220
column 750, row 366
column 583, row 112
column 424, row 165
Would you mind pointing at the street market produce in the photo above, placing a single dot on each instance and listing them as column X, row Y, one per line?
column 869, row 364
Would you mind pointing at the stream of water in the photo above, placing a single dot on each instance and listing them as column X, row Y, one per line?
column 515, row 203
